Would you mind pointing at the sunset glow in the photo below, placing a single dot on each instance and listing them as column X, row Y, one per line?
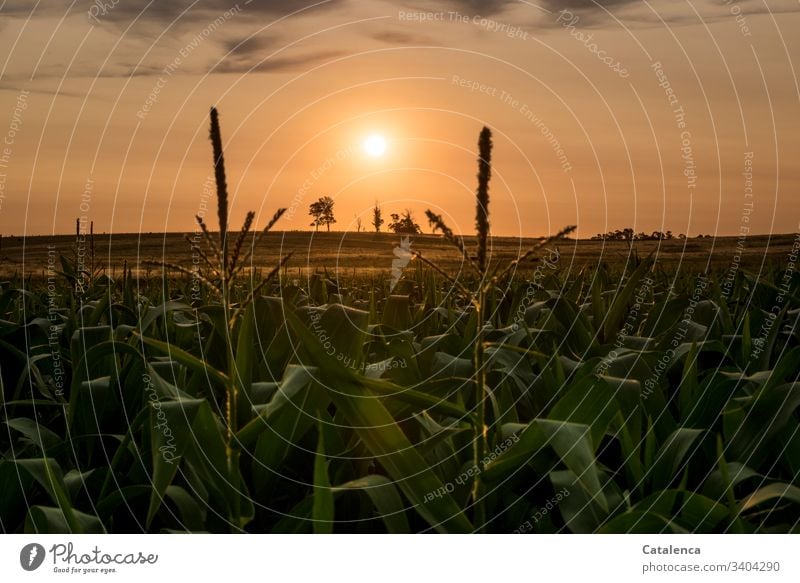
column 375, row 146
column 643, row 117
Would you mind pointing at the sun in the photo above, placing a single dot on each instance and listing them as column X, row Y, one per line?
column 375, row 146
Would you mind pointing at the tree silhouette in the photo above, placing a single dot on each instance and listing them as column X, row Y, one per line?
column 628, row 235
column 377, row 220
column 404, row 223
column 322, row 212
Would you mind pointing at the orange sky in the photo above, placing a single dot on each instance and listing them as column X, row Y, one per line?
column 298, row 93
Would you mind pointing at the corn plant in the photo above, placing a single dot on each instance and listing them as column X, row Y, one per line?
column 487, row 280
column 224, row 263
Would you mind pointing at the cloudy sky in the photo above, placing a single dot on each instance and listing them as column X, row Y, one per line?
column 654, row 114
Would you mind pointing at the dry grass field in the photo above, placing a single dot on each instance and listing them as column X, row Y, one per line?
column 362, row 253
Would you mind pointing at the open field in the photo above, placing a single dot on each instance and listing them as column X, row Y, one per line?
column 368, row 252
column 615, row 399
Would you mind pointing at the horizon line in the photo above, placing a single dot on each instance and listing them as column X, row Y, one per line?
column 285, row 231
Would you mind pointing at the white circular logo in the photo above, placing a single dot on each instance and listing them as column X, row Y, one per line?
column 31, row 556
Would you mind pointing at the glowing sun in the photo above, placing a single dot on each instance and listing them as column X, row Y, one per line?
column 375, row 146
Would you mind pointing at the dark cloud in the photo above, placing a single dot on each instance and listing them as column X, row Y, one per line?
column 161, row 12
column 194, row 10
column 397, row 37
column 748, row 6
column 590, row 12
column 278, row 64
column 536, row 9
column 188, row 12
column 556, row 5
column 243, row 48
column 633, row 12
column 759, row 6
column 16, row 88
column 482, row 7
column 254, row 54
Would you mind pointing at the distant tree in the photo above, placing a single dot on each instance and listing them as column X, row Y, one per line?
column 404, row 223
column 629, row 235
column 377, row 221
column 322, row 212
column 358, row 224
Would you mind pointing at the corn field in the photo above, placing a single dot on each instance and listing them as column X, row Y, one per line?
column 527, row 397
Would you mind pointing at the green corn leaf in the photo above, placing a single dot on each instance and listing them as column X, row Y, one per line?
column 170, row 434
column 49, row 475
column 51, row 520
column 323, row 512
column 244, row 365
column 385, row 497
column 189, row 361
column 670, row 461
column 572, row 443
column 641, row 522
column 383, row 437
column 776, row 491
column 622, row 299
